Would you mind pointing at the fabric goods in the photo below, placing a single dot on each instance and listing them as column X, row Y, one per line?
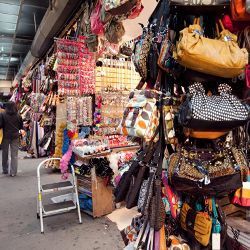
column 238, row 10
column 220, row 57
column 95, row 19
column 202, row 112
column 140, row 118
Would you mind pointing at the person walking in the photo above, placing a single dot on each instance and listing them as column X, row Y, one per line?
column 11, row 122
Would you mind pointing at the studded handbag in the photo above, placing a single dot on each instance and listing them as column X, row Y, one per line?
column 206, row 171
column 212, row 113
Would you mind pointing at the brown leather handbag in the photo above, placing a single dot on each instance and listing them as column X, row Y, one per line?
column 220, row 57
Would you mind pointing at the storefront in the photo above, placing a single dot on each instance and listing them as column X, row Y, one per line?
column 153, row 116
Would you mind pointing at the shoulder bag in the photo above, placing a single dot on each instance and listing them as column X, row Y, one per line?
column 141, row 115
column 206, row 171
column 219, row 57
column 212, row 113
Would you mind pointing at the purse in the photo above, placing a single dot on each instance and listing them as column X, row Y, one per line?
column 238, row 10
column 141, row 52
column 209, row 113
column 198, row 224
column 207, row 172
column 170, row 108
column 119, row 7
column 114, row 32
column 140, row 118
column 220, row 57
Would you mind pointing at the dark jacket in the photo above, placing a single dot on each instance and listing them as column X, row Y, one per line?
column 10, row 121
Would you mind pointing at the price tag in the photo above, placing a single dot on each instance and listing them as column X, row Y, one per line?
column 215, row 241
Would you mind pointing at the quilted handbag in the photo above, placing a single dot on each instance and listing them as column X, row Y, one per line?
column 119, row 7
column 239, row 10
column 206, row 171
column 198, row 224
column 141, row 115
column 219, row 57
column 141, row 53
column 212, row 113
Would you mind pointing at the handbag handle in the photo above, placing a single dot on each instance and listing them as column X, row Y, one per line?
column 197, row 20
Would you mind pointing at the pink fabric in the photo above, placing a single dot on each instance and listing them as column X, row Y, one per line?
column 136, row 10
column 248, row 75
column 95, row 20
column 157, row 240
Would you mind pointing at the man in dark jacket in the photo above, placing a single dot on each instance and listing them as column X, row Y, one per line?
column 11, row 122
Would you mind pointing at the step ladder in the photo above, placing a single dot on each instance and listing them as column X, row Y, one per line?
column 44, row 210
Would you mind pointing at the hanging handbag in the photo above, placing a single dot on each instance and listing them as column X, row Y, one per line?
column 207, row 172
column 210, row 113
column 241, row 197
column 95, row 19
column 119, row 7
column 165, row 59
column 141, row 53
column 238, row 10
column 141, row 118
column 198, row 224
column 170, row 108
column 220, row 57
column 114, row 31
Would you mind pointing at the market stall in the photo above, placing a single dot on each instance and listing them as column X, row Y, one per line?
column 157, row 119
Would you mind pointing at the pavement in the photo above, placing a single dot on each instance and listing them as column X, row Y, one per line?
column 20, row 228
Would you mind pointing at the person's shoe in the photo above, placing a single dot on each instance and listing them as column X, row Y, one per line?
column 12, row 175
column 5, row 173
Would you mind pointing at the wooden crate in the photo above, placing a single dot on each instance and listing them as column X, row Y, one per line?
column 102, row 195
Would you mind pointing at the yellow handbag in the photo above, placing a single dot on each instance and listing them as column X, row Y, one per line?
column 200, row 226
column 219, row 57
column 1, row 135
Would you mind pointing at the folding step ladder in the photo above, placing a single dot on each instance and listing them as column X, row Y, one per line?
column 60, row 207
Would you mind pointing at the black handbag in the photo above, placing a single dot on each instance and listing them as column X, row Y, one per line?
column 212, row 113
column 206, row 172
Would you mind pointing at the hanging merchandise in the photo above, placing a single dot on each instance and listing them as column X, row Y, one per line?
column 141, row 53
column 200, row 225
column 140, row 118
column 120, row 7
column 242, row 195
column 205, row 55
column 201, row 171
column 95, row 19
column 216, row 113
column 114, row 31
column 240, row 10
column 75, row 69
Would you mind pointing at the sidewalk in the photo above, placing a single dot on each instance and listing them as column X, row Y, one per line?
column 20, row 229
